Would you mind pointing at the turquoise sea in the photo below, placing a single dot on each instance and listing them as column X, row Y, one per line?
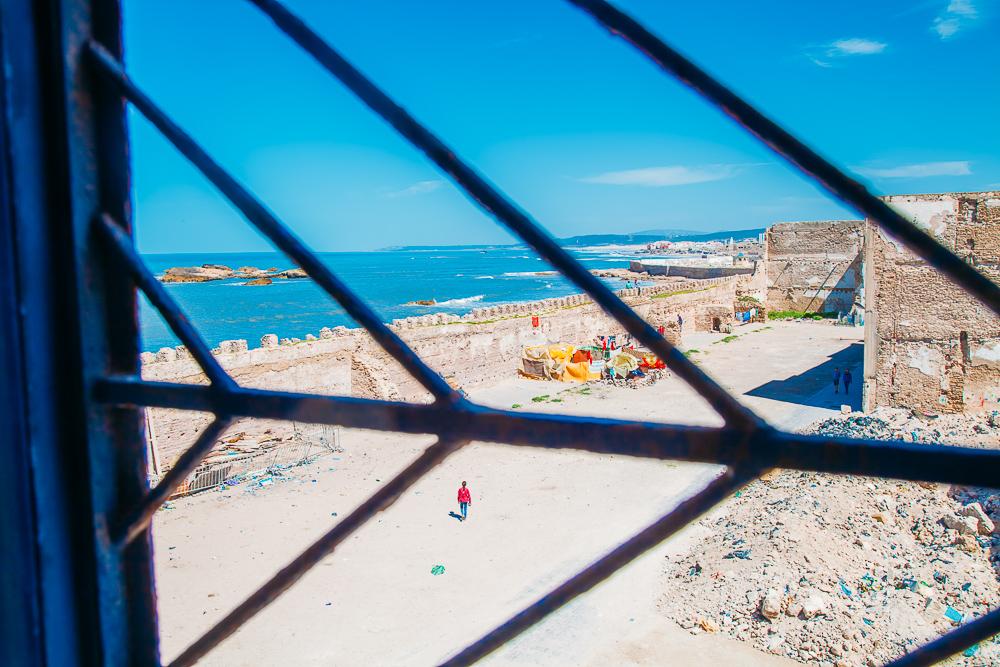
column 459, row 279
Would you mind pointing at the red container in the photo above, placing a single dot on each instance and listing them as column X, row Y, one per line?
column 534, row 320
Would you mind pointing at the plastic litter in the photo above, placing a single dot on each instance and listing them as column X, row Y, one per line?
column 437, row 569
column 742, row 554
column 971, row 651
column 845, row 590
column 953, row 614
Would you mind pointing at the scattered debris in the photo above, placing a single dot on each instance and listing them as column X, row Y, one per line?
column 849, row 570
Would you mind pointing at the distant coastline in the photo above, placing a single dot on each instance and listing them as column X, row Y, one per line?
column 597, row 240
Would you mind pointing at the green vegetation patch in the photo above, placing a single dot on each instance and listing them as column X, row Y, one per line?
column 727, row 339
column 801, row 314
column 540, row 399
column 665, row 295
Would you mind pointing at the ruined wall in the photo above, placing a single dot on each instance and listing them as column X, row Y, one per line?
column 929, row 345
column 814, row 266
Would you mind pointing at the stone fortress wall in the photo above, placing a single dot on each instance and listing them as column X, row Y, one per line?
column 814, row 266
column 928, row 344
column 683, row 271
column 481, row 347
column 478, row 347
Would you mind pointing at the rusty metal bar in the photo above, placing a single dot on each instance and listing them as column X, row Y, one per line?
column 687, row 511
column 491, row 200
column 798, row 154
column 948, row 645
column 121, row 245
column 726, row 446
column 291, row 573
column 269, row 225
column 135, row 522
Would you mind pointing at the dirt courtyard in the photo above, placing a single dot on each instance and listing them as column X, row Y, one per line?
column 536, row 518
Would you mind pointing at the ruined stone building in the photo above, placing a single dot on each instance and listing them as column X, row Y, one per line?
column 928, row 344
column 814, row 266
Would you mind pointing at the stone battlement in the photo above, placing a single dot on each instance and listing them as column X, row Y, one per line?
column 489, row 315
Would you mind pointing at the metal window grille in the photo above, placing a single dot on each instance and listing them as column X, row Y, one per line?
column 93, row 86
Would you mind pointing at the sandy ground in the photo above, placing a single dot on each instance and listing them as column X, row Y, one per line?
column 537, row 517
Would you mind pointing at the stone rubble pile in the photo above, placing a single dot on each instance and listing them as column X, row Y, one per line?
column 913, row 426
column 844, row 570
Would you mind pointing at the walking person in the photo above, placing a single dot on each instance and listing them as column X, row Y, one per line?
column 847, row 380
column 680, row 322
column 836, row 380
column 464, row 500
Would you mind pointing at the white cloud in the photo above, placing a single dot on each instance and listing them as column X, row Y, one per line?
column 419, row 188
column 855, row 46
column 956, row 16
column 823, row 55
column 661, row 177
column 919, row 170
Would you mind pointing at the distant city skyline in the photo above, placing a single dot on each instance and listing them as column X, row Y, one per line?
column 571, row 123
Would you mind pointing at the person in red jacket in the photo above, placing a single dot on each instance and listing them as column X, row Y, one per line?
column 464, row 500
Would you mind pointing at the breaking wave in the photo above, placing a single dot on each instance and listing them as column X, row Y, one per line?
column 461, row 302
column 485, row 278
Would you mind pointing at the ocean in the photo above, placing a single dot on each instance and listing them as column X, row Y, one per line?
column 459, row 279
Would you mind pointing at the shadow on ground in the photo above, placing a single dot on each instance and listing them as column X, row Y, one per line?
column 815, row 386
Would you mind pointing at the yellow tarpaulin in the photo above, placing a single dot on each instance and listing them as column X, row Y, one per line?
column 578, row 372
column 623, row 364
column 555, row 359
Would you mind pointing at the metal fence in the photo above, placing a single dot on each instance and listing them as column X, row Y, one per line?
column 231, row 469
column 745, row 444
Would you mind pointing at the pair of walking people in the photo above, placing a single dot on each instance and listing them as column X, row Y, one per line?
column 845, row 377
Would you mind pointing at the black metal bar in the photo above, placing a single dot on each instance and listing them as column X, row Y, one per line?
column 688, row 510
column 490, row 199
column 135, row 522
column 957, row 640
column 728, row 446
column 269, row 225
column 793, row 150
column 121, row 243
column 65, row 620
column 295, row 570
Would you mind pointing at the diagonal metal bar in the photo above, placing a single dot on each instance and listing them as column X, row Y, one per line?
column 121, row 244
column 688, row 510
column 957, row 640
column 288, row 575
column 793, row 150
column 489, row 198
column 726, row 446
column 135, row 522
column 269, row 225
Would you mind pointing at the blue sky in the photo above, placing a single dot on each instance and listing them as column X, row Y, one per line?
column 573, row 124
